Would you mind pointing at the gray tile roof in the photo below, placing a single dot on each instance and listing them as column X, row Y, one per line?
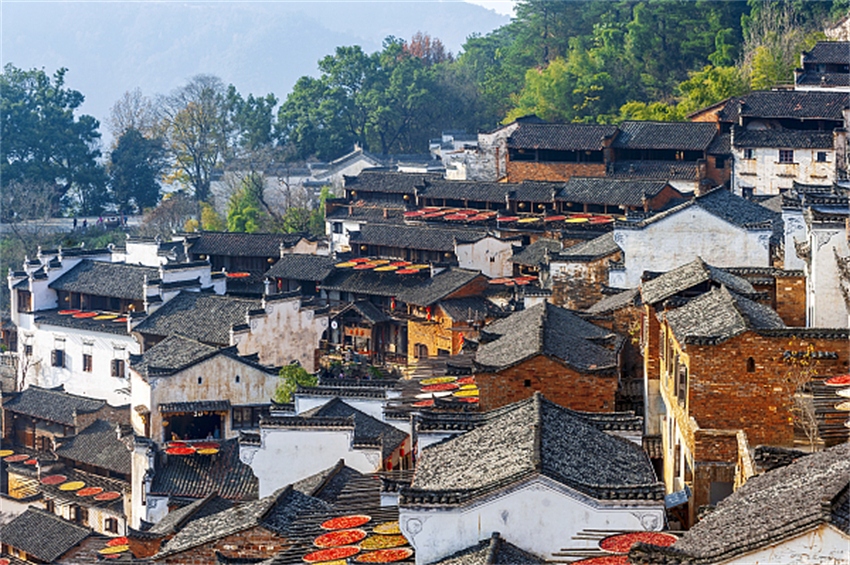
column 561, row 137
column 723, row 204
column 526, row 439
column 549, row 330
column 176, row 519
column 802, row 105
column 414, row 237
column 43, row 535
column 241, row 244
column 388, row 181
column 367, row 430
column 54, row 318
column 536, row 253
column 53, row 405
column 198, row 315
column 171, row 355
column 611, row 191
column 828, row 52
column 688, row 276
column 615, row 302
column 694, row 136
column 722, row 145
column 467, row 190
column 419, row 289
column 98, row 445
column 302, row 267
column 196, row 476
column 596, row 248
column 327, row 485
column 460, row 309
column 814, row 78
column 719, row 315
column 493, row 551
column 364, row 212
column 767, row 510
column 275, row 512
column 370, row 312
column 654, row 170
column 116, row 280
column 783, row 138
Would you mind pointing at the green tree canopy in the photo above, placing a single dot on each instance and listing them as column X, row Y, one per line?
column 43, row 141
column 245, row 211
column 135, row 167
column 291, row 377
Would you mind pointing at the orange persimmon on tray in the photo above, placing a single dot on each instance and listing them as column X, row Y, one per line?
column 53, row 479
column 346, row 522
column 840, row 380
column 339, row 538
column 622, row 543
column 384, row 556
column 331, row 554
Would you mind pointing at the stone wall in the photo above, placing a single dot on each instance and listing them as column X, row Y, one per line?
column 591, row 392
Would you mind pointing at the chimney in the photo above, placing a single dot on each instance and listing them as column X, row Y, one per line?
column 267, row 286
column 386, row 213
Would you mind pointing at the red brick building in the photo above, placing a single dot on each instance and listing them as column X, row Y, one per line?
column 727, row 378
column 550, row 350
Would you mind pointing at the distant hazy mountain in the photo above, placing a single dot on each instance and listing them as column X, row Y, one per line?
column 261, row 47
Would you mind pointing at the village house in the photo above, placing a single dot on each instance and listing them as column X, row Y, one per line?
column 797, row 513
column 548, row 349
column 303, row 273
column 37, row 536
column 408, row 299
column 721, row 357
column 75, row 311
column 769, row 161
column 278, row 328
column 579, row 273
column 512, row 475
column 288, row 448
column 724, row 229
column 186, row 390
column 825, row 67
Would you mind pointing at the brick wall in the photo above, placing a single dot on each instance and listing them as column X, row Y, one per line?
column 724, row 395
column 560, row 384
column 790, row 301
column 255, row 543
column 579, row 285
column 518, row 171
column 435, row 334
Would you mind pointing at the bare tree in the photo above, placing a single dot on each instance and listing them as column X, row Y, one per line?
column 193, row 121
column 133, row 110
column 169, row 217
column 802, row 366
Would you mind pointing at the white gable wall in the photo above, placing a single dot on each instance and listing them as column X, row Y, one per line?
column 824, row 545
column 540, row 516
column 287, row 455
column 682, row 237
column 824, row 300
column 490, row 255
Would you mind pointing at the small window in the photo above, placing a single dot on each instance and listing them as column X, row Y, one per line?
column 337, row 227
column 28, row 350
column 50, row 505
column 527, row 383
column 720, row 162
column 237, row 379
column 200, row 380
column 748, row 154
column 786, row 156
column 118, row 368
column 821, row 157
column 87, row 363
column 57, row 358
column 111, row 525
